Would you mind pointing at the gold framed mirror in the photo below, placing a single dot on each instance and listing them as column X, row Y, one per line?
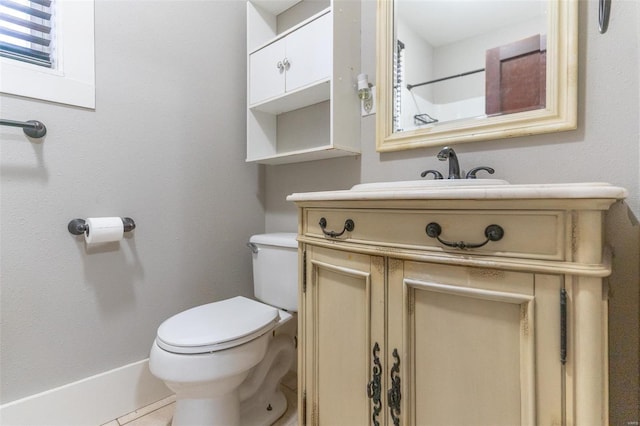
column 485, row 111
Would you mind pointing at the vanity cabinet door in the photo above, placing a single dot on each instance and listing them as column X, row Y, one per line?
column 343, row 319
column 475, row 346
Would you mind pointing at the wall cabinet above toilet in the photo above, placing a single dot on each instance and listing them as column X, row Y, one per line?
column 302, row 68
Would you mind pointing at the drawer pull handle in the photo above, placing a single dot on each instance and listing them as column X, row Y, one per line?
column 349, row 225
column 492, row 232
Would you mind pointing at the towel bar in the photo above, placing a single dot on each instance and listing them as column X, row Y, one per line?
column 31, row 128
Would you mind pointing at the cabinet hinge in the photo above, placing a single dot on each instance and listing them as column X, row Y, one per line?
column 304, row 271
column 304, row 407
column 563, row 326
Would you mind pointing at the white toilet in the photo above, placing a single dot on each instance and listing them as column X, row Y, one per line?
column 222, row 359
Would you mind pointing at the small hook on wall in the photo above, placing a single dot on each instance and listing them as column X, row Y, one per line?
column 604, row 9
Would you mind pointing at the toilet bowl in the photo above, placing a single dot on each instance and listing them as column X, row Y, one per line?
column 224, row 360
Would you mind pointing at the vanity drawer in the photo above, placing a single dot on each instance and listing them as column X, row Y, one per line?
column 527, row 234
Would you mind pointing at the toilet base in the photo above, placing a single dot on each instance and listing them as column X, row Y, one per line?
column 259, row 415
column 220, row 411
column 256, row 398
column 226, row 410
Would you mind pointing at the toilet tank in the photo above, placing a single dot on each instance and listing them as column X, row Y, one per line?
column 275, row 269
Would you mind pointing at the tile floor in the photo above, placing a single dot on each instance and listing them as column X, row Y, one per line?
column 161, row 412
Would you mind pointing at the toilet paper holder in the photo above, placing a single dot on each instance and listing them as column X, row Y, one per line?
column 79, row 226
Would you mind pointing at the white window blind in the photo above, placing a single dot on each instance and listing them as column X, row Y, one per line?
column 25, row 31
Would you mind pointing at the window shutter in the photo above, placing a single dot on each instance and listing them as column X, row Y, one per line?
column 25, row 31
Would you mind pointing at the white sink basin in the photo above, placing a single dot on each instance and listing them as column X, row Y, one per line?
column 426, row 184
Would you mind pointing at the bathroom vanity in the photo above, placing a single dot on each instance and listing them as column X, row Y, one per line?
column 454, row 304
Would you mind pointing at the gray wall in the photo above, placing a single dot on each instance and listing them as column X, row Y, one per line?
column 605, row 147
column 165, row 146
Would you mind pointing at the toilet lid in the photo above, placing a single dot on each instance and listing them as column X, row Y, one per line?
column 216, row 326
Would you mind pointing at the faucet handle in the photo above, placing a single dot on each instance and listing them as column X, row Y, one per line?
column 472, row 173
column 436, row 174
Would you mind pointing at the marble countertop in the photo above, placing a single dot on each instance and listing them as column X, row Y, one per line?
column 443, row 190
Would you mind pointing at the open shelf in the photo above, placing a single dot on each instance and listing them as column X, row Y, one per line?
column 305, row 96
column 311, row 154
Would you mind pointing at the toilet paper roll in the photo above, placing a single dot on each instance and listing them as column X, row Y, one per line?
column 103, row 230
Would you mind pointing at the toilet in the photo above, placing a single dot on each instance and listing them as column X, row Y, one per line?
column 224, row 360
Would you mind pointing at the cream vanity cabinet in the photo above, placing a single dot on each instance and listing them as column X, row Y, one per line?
column 469, row 326
column 303, row 60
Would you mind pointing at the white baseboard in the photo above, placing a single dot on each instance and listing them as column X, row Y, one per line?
column 88, row 402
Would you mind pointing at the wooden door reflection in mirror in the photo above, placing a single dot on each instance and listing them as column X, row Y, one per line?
column 516, row 76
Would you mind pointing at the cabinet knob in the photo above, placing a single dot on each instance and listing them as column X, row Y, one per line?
column 280, row 66
column 286, row 63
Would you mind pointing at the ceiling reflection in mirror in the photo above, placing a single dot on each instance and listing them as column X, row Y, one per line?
column 461, row 59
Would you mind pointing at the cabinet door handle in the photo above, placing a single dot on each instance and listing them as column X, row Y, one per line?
column 286, row 63
column 349, row 225
column 394, row 395
column 492, row 232
column 280, row 66
column 374, row 386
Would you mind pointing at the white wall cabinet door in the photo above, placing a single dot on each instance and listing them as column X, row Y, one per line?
column 297, row 60
column 309, row 54
column 266, row 77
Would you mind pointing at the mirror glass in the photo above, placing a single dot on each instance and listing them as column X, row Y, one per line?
column 441, row 72
column 463, row 70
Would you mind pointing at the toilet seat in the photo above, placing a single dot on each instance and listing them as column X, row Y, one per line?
column 216, row 326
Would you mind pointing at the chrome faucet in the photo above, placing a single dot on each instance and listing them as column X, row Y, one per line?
column 454, row 167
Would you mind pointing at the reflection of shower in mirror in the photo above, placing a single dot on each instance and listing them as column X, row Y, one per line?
column 439, row 70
